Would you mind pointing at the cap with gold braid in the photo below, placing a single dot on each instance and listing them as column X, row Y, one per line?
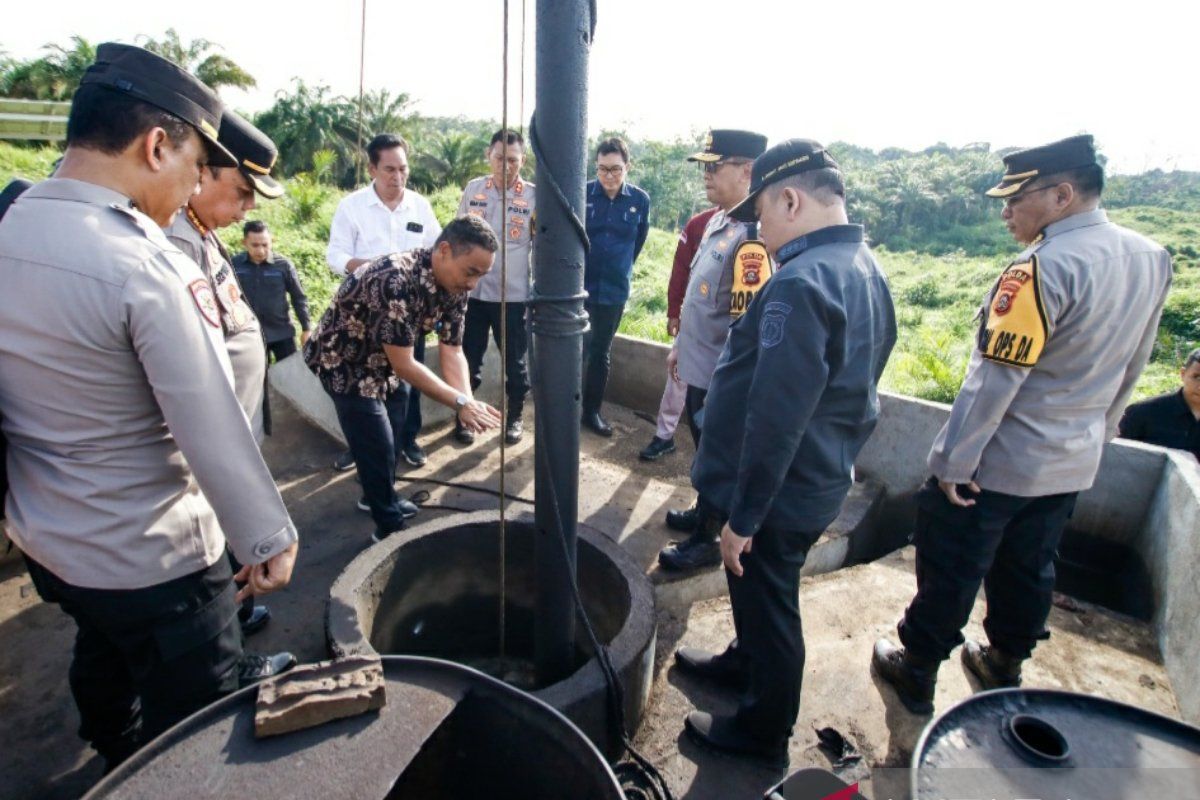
column 254, row 151
column 722, row 143
column 1023, row 166
column 163, row 84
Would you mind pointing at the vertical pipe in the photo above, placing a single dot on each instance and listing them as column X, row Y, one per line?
column 557, row 321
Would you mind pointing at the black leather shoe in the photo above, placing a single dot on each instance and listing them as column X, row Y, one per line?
column 692, row 553
column 596, row 424
column 657, row 449
column 344, row 462
column 683, row 520
column 407, row 509
column 378, row 536
column 994, row 668
column 724, row 735
column 414, row 454
column 463, row 435
column 514, row 431
column 914, row 680
column 257, row 620
column 725, row 669
column 253, row 668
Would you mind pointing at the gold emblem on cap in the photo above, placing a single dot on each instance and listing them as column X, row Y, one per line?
column 708, row 141
column 248, row 164
column 207, row 127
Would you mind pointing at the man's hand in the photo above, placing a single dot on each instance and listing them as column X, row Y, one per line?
column 672, row 326
column 355, row 263
column 272, row 574
column 304, row 337
column 673, row 363
column 732, row 547
column 478, row 416
column 951, row 492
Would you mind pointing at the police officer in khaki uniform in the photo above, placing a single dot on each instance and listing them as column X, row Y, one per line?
column 1064, row 333
column 704, row 325
column 513, row 225
column 226, row 194
column 118, row 405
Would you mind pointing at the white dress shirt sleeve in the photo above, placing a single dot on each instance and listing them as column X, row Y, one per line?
column 342, row 235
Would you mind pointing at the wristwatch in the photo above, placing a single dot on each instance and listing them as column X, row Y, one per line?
column 460, row 403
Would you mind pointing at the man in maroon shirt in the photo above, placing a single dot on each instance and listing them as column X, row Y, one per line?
column 675, row 393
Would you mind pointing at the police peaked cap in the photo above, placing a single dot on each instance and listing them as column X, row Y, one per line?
column 254, row 151
column 720, row 143
column 1023, row 166
column 161, row 83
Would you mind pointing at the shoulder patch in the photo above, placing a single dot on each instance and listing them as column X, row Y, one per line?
column 751, row 268
column 206, row 301
column 770, row 329
column 1015, row 330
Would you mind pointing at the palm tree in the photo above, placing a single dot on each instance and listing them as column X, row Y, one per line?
column 214, row 69
column 454, row 159
column 309, row 120
column 54, row 76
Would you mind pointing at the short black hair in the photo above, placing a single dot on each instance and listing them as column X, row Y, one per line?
column 463, row 233
column 1192, row 358
column 613, row 144
column 823, row 184
column 384, row 141
column 254, row 226
column 509, row 136
column 109, row 121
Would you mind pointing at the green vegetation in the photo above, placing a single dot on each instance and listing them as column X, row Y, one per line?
column 941, row 245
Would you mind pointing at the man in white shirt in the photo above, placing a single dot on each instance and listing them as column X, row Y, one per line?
column 381, row 218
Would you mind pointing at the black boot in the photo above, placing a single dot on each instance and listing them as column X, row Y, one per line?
column 727, row 669
column 724, row 735
column 994, row 668
column 701, row 549
column 914, row 679
column 684, row 520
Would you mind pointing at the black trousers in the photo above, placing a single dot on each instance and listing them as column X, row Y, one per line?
column 770, row 639
column 372, row 431
column 280, row 349
column 412, row 414
column 483, row 316
column 693, row 403
column 597, row 348
column 146, row 658
column 1004, row 541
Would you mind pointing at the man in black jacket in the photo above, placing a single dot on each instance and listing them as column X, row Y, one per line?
column 1169, row 420
column 268, row 280
column 792, row 401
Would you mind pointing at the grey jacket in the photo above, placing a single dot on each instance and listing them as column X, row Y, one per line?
column 1039, row 401
column 130, row 460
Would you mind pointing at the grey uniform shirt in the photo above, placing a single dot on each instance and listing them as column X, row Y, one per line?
column 1040, row 429
column 513, row 225
column 243, row 333
column 705, row 320
column 130, row 462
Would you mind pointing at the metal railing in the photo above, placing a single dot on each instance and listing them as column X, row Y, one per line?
column 38, row 120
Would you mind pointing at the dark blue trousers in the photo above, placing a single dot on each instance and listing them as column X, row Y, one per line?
column 1005, row 542
column 370, row 427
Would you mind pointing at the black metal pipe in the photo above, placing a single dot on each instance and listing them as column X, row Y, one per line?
column 558, row 135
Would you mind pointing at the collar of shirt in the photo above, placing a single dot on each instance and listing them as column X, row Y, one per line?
column 371, row 198
column 516, row 190
column 834, row 234
column 1081, row 220
column 80, row 192
column 598, row 189
column 1184, row 408
column 270, row 259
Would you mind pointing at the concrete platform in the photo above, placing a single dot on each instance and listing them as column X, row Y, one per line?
column 41, row 756
column 1090, row 650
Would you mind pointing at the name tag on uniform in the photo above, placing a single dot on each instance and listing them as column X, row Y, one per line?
column 1015, row 330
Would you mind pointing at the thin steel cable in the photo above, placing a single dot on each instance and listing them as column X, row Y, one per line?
column 362, row 71
column 503, row 326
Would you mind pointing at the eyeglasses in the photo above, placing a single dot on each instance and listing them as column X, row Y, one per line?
column 713, row 166
column 1009, row 202
column 614, row 171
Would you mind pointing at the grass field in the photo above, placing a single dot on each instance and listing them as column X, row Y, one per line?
column 936, row 296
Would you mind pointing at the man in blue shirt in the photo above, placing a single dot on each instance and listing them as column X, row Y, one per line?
column 618, row 220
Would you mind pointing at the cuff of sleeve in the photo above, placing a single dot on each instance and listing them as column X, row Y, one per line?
column 744, row 523
column 266, row 548
column 950, row 474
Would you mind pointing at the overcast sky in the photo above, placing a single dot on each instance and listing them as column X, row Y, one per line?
column 877, row 74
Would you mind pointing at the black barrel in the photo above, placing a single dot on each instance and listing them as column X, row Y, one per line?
column 446, row 733
column 1047, row 744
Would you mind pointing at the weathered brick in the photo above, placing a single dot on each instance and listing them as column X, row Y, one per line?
column 313, row 694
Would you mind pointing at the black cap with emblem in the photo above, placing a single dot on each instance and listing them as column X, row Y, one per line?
column 163, row 84
column 783, row 160
column 254, row 151
column 1023, row 166
column 720, row 143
